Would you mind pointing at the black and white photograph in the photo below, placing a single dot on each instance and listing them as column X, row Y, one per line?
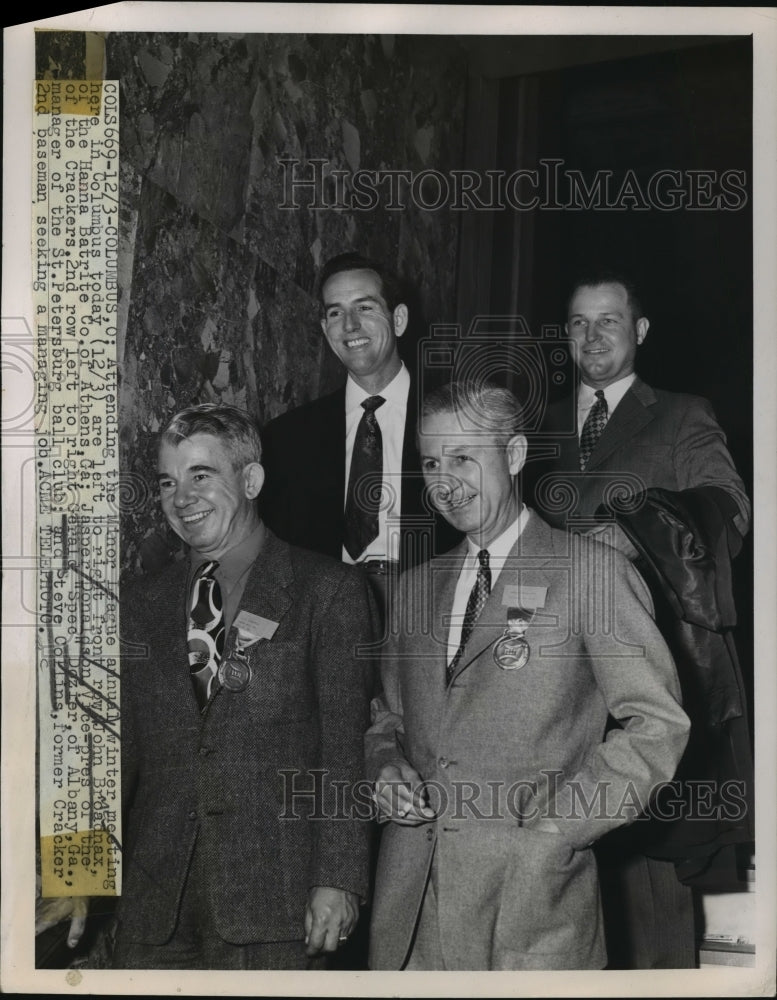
column 388, row 448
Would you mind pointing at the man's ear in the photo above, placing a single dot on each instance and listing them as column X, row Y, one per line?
column 401, row 317
column 253, row 480
column 517, row 447
column 642, row 328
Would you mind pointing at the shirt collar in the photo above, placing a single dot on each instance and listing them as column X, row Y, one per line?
column 394, row 393
column 613, row 393
column 501, row 547
column 236, row 560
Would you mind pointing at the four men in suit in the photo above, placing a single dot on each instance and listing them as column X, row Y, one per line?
column 487, row 746
column 240, row 850
column 617, row 439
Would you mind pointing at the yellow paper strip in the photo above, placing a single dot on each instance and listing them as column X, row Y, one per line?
column 69, row 97
column 79, row 864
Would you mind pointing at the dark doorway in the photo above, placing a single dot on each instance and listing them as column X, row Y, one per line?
column 643, row 164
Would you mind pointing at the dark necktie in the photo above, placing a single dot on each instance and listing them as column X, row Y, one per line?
column 364, row 481
column 477, row 599
column 592, row 428
column 205, row 632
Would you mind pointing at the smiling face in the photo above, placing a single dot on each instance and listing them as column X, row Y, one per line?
column 604, row 333
column 470, row 475
column 360, row 328
column 206, row 500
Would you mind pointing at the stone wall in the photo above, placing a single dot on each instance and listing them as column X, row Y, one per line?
column 216, row 278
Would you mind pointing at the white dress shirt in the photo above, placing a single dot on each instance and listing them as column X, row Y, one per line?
column 498, row 551
column 391, row 417
column 586, row 397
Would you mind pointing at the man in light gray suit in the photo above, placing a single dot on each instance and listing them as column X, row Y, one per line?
column 488, row 745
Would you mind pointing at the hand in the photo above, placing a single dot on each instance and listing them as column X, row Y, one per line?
column 49, row 912
column 400, row 796
column 330, row 916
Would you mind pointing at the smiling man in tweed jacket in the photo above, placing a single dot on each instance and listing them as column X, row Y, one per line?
column 228, row 720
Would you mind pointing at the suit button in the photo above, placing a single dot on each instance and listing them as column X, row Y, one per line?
column 443, row 762
column 204, row 751
column 429, row 833
column 193, row 814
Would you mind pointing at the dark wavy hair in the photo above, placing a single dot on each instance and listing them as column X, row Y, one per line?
column 390, row 287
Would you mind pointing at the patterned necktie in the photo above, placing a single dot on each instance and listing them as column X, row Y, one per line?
column 592, row 428
column 205, row 632
column 364, row 481
column 477, row 599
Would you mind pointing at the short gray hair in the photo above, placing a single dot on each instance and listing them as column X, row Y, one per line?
column 490, row 407
column 234, row 427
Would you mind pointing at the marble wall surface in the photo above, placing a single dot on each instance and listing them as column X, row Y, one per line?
column 217, row 279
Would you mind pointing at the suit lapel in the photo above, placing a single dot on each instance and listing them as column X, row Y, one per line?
column 629, row 417
column 447, row 569
column 267, row 588
column 171, row 608
column 444, row 583
column 412, row 480
column 438, row 588
column 533, row 550
column 569, row 454
column 564, row 448
column 329, row 457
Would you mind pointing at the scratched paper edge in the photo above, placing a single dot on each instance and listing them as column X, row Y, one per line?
column 75, row 171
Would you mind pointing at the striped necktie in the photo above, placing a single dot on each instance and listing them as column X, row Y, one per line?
column 477, row 599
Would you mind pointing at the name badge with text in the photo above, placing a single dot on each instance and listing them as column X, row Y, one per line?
column 252, row 628
column 524, row 597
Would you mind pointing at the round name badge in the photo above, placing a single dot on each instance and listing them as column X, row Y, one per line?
column 511, row 652
column 235, row 674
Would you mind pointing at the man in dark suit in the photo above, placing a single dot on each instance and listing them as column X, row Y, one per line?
column 488, row 744
column 343, row 474
column 243, row 709
column 616, row 440
column 342, row 471
column 648, row 437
